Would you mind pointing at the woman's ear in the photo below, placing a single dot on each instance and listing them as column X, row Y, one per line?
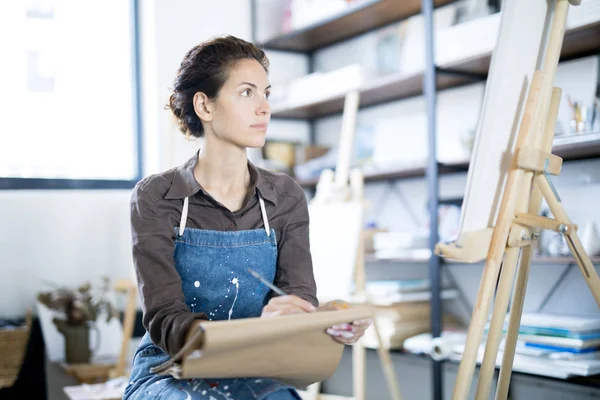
column 203, row 107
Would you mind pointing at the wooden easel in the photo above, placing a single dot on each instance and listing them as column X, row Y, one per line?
column 339, row 187
column 517, row 228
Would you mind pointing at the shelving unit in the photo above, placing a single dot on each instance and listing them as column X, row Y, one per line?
column 572, row 151
column 538, row 260
column 578, row 42
column 373, row 14
column 358, row 19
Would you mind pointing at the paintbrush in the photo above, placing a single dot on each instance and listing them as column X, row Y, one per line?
column 267, row 283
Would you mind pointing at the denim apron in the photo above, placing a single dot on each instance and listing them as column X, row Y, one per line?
column 213, row 268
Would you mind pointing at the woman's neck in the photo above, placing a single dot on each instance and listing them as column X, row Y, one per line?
column 222, row 167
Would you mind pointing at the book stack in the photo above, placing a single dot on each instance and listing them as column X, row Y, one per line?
column 401, row 245
column 575, row 335
column 553, row 345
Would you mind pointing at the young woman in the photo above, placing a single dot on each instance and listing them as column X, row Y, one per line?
column 197, row 228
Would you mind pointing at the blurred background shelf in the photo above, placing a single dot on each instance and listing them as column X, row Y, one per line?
column 579, row 41
column 537, row 260
column 364, row 17
column 569, row 151
column 380, row 90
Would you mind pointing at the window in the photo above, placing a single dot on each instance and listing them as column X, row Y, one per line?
column 69, row 100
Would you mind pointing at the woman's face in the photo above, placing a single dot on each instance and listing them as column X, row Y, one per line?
column 240, row 114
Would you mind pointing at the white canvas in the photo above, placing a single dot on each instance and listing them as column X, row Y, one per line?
column 334, row 237
column 514, row 60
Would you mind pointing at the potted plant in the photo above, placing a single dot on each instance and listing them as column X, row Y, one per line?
column 78, row 309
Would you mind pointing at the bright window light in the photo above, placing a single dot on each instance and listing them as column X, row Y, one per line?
column 67, row 90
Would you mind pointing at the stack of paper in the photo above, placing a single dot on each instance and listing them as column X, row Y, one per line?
column 401, row 245
column 389, row 293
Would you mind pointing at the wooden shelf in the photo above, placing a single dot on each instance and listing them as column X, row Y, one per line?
column 381, row 90
column 578, row 151
column 364, row 17
column 400, row 174
column 577, row 42
column 568, row 152
column 538, row 260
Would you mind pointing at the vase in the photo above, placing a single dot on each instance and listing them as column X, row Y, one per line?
column 77, row 342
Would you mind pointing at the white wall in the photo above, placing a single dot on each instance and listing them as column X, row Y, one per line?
column 69, row 236
column 171, row 28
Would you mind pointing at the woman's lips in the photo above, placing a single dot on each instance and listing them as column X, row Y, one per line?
column 260, row 127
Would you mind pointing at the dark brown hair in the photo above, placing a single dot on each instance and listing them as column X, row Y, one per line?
column 205, row 68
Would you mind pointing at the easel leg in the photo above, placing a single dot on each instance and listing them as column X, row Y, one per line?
column 517, row 179
column 518, row 299
column 491, row 270
column 387, row 366
column 488, row 365
column 516, row 310
column 583, row 260
column 545, row 123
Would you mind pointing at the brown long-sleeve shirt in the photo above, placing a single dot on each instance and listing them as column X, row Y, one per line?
column 156, row 206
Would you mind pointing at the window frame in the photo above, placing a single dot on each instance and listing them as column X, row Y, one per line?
column 9, row 183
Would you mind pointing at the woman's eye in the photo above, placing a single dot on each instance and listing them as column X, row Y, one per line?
column 246, row 93
column 267, row 95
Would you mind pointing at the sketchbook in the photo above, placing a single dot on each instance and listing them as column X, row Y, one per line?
column 293, row 348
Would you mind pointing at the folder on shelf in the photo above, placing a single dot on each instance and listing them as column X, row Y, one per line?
column 294, row 349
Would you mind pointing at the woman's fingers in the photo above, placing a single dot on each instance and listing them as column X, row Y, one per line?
column 283, row 309
column 349, row 333
column 286, row 305
column 295, row 300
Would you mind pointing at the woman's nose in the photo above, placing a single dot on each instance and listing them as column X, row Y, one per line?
column 263, row 108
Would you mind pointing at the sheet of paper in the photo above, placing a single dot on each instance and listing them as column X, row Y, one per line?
column 292, row 348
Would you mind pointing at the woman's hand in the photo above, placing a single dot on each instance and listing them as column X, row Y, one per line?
column 285, row 305
column 346, row 333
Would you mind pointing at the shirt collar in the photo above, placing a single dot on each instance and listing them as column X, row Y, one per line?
column 185, row 184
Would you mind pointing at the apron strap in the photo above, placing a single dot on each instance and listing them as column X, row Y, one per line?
column 264, row 215
column 184, row 214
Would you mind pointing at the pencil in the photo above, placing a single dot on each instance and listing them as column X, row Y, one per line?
column 267, row 283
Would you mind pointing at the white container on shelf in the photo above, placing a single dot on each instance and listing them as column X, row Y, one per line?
column 319, row 86
column 308, row 12
column 467, row 40
column 585, row 13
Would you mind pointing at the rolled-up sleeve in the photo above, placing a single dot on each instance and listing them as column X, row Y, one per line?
column 167, row 318
column 294, row 268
